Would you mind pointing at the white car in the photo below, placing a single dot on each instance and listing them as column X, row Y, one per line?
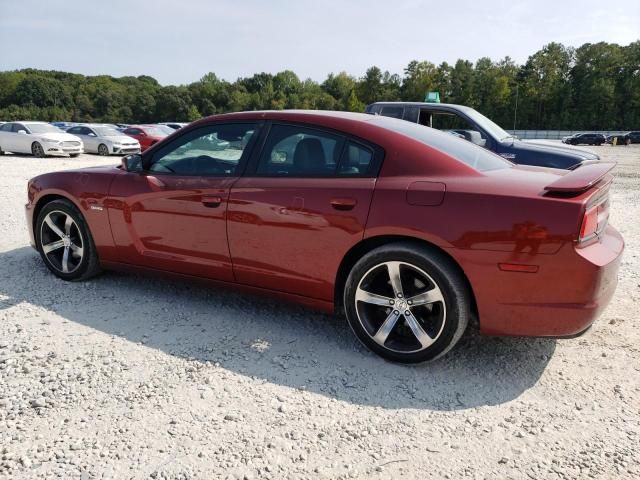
column 39, row 139
column 105, row 140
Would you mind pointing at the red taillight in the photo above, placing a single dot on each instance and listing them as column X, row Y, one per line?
column 594, row 221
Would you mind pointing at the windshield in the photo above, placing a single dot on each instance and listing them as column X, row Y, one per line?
column 492, row 128
column 42, row 128
column 166, row 129
column 155, row 131
column 476, row 157
column 107, row 132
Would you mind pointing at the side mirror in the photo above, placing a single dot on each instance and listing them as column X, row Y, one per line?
column 91, row 134
column 142, row 134
column 132, row 163
column 22, row 132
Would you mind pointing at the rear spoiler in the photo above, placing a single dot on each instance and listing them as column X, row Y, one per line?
column 582, row 178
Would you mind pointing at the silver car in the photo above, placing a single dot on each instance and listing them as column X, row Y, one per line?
column 105, row 140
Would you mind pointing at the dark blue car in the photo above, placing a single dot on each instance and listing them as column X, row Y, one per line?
column 477, row 128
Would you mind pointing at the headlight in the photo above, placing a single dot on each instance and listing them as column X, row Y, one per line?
column 50, row 140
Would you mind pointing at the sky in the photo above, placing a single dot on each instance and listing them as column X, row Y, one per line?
column 178, row 41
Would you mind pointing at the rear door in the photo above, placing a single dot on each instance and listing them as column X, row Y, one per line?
column 172, row 216
column 5, row 137
column 300, row 207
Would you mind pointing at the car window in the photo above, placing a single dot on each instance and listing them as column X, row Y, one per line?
column 17, row 127
column 132, row 131
column 466, row 152
column 357, row 160
column 215, row 150
column 392, row 111
column 296, row 151
column 411, row 114
column 74, row 131
column 6, row 127
column 87, row 131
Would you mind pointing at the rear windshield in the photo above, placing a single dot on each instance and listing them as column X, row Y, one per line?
column 476, row 157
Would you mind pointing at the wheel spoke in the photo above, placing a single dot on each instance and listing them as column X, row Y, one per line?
column 422, row 336
column 65, row 260
column 50, row 247
column 76, row 250
column 54, row 228
column 385, row 329
column 68, row 223
column 373, row 298
column 394, row 276
column 432, row 296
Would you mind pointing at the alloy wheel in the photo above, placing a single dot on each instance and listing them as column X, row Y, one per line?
column 37, row 150
column 61, row 242
column 103, row 150
column 401, row 307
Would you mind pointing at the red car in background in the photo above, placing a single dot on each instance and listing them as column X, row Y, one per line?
column 407, row 230
column 147, row 135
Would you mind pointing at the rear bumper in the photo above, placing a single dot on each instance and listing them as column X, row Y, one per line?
column 563, row 299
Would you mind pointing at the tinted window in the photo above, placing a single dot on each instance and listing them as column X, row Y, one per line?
column 394, row 112
column 210, row 151
column 356, row 160
column 132, row 131
column 17, row 127
column 74, row 130
column 473, row 155
column 6, row 127
column 299, row 152
column 411, row 114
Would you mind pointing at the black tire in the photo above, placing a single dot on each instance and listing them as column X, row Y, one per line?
column 447, row 318
column 37, row 150
column 80, row 236
column 1, row 152
column 74, row 155
column 103, row 150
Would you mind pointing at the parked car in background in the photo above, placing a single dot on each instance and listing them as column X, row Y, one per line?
column 64, row 125
column 410, row 231
column 478, row 129
column 585, row 139
column 105, row 140
column 174, row 125
column 625, row 138
column 146, row 135
column 38, row 138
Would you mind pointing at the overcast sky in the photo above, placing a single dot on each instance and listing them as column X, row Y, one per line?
column 177, row 41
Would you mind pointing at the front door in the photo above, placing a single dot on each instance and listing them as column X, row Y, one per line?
column 172, row 216
column 299, row 209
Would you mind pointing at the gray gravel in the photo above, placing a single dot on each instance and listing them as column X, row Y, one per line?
column 131, row 377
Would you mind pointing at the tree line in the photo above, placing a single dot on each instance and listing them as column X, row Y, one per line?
column 593, row 87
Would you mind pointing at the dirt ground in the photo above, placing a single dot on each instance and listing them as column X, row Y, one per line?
column 130, row 377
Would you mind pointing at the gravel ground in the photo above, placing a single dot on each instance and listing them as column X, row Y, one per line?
column 132, row 377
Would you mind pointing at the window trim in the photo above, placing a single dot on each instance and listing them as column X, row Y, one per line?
column 171, row 146
column 378, row 152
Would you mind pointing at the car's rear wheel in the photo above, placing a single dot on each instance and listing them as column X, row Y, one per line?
column 37, row 150
column 74, row 155
column 103, row 150
column 407, row 303
column 65, row 242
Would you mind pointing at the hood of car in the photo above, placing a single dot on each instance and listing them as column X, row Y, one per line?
column 60, row 137
column 577, row 153
column 121, row 139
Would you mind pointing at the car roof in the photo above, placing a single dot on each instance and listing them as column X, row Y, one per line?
column 424, row 104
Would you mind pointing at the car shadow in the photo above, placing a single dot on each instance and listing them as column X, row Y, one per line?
column 282, row 344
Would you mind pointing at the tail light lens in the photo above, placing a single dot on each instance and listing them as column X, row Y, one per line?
column 594, row 221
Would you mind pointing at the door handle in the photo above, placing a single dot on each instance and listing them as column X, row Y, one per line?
column 211, row 202
column 343, row 203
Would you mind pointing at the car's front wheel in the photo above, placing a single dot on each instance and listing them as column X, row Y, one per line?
column 65, row 242
column 407, row 303
column 103, row 150
column 37, row 150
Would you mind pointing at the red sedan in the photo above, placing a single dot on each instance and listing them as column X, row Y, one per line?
column 147, row 135
column 409, row 231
